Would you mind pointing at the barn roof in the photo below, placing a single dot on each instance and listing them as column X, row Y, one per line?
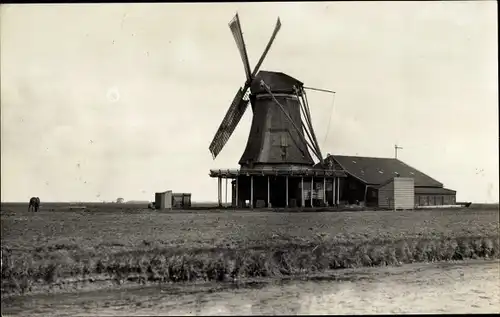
column 434, row 191
column 376, row 170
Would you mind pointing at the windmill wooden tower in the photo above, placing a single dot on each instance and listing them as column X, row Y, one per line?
column 280, row 143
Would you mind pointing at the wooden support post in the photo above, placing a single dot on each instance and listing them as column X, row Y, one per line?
column 394, row 197
column 324, row 192
column 268, row 193
column 302, row 202
column 334, row 194
column 236, row 194
column 312, row 191
column 219, row 190
column 338, row 191
column 251, row 191
column 286, row 194
column 366, row 192
column 226, row 191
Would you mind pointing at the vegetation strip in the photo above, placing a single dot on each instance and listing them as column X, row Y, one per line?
column 23, row 271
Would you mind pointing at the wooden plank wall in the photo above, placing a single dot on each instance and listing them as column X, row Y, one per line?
column 386, row 196
column 400, row 191
column 404, row 192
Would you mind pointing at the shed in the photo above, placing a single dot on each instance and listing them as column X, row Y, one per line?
column 397, row 193
column 163, row 200
column 181, row 200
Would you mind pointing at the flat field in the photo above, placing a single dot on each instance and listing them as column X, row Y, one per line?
column 129, row 243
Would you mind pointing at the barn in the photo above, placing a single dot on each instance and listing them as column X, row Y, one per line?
column 367, row 177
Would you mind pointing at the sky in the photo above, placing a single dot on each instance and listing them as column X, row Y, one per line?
column 100, row 101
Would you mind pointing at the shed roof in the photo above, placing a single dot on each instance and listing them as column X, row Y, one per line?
column 377, row 170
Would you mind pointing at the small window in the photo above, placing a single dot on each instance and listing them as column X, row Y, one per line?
column 283, row 139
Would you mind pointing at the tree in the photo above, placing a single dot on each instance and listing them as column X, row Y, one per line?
column 120, row 200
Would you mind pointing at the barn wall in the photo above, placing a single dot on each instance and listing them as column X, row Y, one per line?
column 329, row 192
column 434, row 200
column 449, row 199
column 404, row 192
column 371, row 197
column 423, row 200
column 386, row 196
column 351, row 190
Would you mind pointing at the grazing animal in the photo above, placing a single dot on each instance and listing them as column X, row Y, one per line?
column 34, row 204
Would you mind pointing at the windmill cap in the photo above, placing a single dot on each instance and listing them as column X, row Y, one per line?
column 276, row 81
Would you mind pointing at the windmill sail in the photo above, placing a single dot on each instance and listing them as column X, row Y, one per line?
column 235, row 27
column 229, row 123
column 266, row 50
column 307, row 113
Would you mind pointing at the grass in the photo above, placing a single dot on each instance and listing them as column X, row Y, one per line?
column 127, row 244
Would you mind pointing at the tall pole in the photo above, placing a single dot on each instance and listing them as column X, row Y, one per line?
column 396, row 148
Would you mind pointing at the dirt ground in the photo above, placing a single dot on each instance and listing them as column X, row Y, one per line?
column 59, row 248
column 126, row 227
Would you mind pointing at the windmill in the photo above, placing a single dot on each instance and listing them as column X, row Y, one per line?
column 281, row 135
column 276, row 103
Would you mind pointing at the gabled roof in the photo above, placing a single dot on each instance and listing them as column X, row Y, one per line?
column 376, row 170
column 389, row 180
